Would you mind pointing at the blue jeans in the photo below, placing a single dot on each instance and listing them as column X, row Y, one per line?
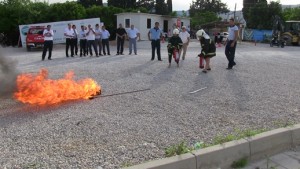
column 132, row 42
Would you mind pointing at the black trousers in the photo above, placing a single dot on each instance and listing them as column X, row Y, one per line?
column 48, row 45
column 74, row 44
column 120, row 45
column 230, row 53
column 155, row 45
column 105, row 42
column 68, row 44
column 82, row 44
column 91, row 43
column 98, row 43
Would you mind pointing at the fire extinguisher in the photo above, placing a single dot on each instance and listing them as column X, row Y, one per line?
column 163, row 39
column 201, row 60
column 176, row 55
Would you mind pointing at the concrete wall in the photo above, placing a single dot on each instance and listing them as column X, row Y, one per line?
column 222, row 156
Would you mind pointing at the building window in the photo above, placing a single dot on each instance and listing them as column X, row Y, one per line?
column 127, row 23
column 148, row 23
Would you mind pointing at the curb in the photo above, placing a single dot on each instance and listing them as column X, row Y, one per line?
column 222, row 156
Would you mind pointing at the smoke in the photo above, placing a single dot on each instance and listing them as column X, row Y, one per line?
column 8, row 75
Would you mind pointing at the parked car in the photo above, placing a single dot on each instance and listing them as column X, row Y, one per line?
column 35, row 37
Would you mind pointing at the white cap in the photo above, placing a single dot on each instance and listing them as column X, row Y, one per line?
column 175, row 31
column 200, row 33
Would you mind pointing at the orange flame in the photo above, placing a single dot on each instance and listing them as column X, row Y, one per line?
column 38, row 89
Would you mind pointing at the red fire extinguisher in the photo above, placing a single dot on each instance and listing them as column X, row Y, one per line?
column 201, row 60
column 163, row 39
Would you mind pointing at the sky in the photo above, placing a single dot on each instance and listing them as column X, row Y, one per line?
column 179, row 5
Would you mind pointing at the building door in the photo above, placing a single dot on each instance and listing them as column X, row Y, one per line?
column 166, row 23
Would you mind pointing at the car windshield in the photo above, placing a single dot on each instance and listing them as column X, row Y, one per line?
column 36, row 31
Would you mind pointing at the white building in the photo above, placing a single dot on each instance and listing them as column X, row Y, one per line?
column 144, row 22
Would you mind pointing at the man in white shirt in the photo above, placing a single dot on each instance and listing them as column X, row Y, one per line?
column 133, row 35
column 82, row 41
column 48, row 43
column 69, row 35
column 90, row 36
column 74, row 40
column 98, row 41
column 185, row 37
column 231, row 43
column 105, row 40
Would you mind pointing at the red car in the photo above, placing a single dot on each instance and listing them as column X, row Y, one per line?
column 35, row 38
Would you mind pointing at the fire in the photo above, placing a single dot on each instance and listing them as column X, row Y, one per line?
column 38, row 89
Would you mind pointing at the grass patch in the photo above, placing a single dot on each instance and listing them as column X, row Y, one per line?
column 240, row 163
column 182, row 147
column 177, row 149
column 126, row 164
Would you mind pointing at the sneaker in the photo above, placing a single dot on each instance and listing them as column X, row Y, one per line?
column 204, row 71
column 229, row 68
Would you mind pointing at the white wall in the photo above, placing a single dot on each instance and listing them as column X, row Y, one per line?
column 139, row 20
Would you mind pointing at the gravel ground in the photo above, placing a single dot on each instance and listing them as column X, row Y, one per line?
column 262, row 91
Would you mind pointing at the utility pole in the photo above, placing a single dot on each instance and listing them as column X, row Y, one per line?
column 234, row 11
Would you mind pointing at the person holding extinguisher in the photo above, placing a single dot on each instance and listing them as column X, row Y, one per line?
column 208, row 49
column 175, row 43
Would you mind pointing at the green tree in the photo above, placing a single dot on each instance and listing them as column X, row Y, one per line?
column 122, row 3
column 170, row 6
column 106, row 15
column 161, row 7
column 38, row 12
column 88, row 3
column 266, row 10
column 291, row 14
column 66, row 11
column 13, row 13
column 147, row 4
column 215, row 6
column 201, row 18
column 247, row 4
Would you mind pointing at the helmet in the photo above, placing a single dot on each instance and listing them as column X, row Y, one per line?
column 175, row 31
column 200, row 33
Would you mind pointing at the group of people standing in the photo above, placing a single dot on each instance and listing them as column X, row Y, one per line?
column 99, row 39
column 89, row 38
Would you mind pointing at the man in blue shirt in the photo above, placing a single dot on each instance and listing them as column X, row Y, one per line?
column 154, row 35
